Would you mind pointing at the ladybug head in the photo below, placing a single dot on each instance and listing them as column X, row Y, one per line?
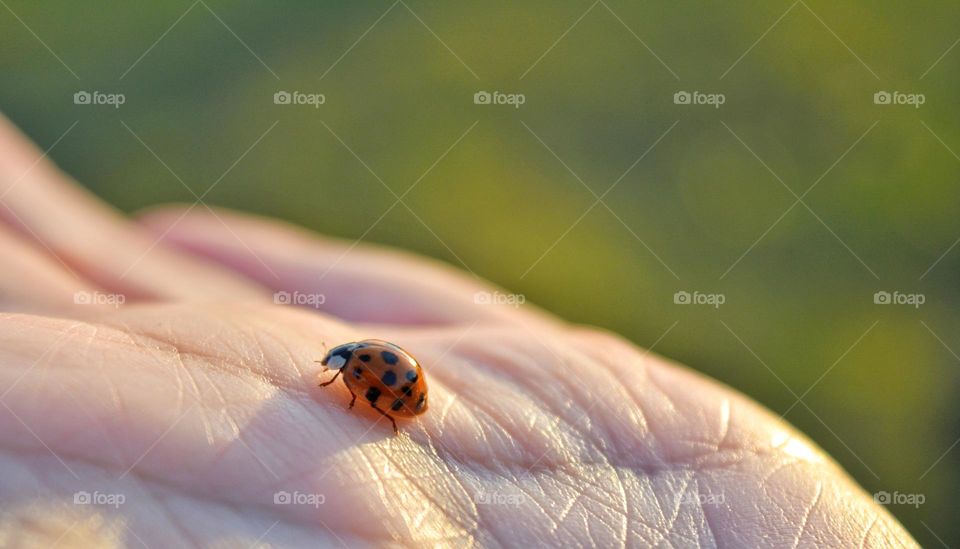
column 339, row 356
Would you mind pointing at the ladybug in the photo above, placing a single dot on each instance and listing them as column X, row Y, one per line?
column 388, row 377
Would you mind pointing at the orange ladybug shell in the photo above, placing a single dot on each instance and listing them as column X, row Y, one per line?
column 383, row 374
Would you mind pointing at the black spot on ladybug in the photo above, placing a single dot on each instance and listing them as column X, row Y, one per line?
column 389, row 378
column 407, row 390
column 388, row 357
column 412, row 376
column 372, row 394
column 365, row 357
column 397, row 404
column 357, row 372
column 421, row 401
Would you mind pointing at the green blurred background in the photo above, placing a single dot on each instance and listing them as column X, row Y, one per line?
column 399, row 80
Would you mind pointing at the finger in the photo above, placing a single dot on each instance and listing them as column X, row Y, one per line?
column 34, row 281
column 354, row 281
column 92, row 239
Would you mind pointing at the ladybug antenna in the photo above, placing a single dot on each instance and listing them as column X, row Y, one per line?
column 324, row 344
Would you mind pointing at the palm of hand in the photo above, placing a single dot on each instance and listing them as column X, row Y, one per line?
column 204, row 417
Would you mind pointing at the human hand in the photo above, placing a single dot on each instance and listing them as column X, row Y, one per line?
column 196, row 403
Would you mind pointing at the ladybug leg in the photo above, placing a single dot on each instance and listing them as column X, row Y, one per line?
column 332, row 379
column 352, row 401
column 388, row 416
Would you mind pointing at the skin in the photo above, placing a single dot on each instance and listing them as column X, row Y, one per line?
column 197, row 401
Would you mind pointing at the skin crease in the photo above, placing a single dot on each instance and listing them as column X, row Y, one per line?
column 197, row 401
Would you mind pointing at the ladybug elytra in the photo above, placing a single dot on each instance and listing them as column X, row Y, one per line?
column 388, row 377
